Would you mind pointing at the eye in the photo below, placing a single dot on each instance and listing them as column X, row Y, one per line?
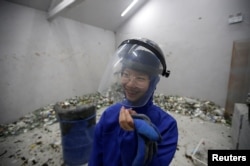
column 125, row 74
column 141, row 78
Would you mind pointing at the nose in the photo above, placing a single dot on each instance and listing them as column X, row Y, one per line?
column 131, row 82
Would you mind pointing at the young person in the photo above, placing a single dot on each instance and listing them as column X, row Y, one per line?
column 134, row 131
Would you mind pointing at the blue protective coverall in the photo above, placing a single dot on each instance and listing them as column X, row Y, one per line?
column 114, row 146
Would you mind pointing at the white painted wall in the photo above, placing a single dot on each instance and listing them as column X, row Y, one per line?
column 44, row 62
column 197, row 41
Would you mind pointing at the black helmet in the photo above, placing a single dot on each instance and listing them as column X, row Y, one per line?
column 142, row 55
column 144, row 61
column 150, row 45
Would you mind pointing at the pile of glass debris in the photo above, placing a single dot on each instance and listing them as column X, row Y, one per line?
column 203, row 109
column 206, row 110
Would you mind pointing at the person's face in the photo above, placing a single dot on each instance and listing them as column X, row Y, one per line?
column 135, row 84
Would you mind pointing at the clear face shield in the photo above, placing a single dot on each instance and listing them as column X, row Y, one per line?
column 131, row 76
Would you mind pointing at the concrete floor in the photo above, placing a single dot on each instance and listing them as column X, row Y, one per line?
column 192, row 132
column 42, row 146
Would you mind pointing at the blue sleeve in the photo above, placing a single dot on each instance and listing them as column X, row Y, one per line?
column 167, row 147
column 105, row 139
column 97, row 154
column 128, row 147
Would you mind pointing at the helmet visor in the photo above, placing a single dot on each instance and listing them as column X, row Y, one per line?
column 131, row 66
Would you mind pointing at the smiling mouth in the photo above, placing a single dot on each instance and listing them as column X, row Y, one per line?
column 131, row 93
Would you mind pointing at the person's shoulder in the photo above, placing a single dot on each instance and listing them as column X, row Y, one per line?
column 114, row 108
column 110, row 118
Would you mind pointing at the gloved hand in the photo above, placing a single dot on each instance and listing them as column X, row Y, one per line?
column 148, row 135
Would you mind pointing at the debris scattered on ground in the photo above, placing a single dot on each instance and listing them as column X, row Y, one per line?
column 203, row 109
column 35, row 139
column 45, row 116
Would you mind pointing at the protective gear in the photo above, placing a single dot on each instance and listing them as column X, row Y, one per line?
column 143, row 61
column 153, row 47
column 140, row 55
column 148, row 136
column 114, row 146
